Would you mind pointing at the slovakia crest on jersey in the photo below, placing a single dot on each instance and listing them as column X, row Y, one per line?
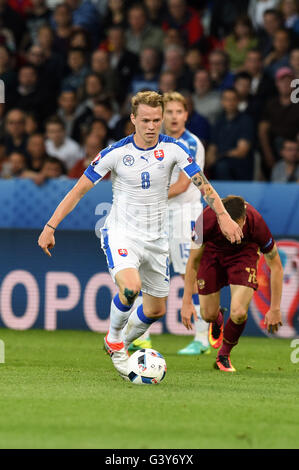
column 159, row 154
column 190, row 159
column 123, row 252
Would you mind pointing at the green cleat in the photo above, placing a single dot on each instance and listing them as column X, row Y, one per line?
column 140, row 344
column 194, row 348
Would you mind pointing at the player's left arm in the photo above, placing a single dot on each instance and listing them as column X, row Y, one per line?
column 230, row 229
column 273, row 316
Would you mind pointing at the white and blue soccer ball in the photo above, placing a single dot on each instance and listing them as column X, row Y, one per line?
column 146, row 367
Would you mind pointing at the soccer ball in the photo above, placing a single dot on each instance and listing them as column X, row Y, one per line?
column 146, row 366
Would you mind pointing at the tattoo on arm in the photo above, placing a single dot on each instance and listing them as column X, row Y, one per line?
column 271, row 255
column 205, row 188
column 199, row 179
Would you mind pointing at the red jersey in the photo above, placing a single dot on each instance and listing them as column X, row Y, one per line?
column 224, row 263
column 256, row 233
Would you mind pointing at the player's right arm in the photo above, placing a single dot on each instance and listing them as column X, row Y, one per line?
column 273, row 316
column 46, row 239
column 190, row 279
column 98, row 168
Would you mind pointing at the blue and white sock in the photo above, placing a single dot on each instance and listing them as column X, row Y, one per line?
column 137, row 324
column 146, row 334
column 201, row 326
column 119, row 314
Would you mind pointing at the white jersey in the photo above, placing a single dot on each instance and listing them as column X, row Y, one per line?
column 140, row 183
column 197, row 152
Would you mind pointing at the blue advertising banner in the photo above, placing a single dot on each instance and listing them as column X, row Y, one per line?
column 25, row 205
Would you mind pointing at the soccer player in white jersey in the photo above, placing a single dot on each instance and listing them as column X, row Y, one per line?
column 185, row 207
column 135, row 237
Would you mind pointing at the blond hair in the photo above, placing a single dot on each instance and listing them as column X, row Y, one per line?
column 174, row 96
column 150, row 98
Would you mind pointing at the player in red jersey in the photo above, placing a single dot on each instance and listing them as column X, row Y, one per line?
column 216, row 263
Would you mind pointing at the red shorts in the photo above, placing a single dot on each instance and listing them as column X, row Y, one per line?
column 217, row 270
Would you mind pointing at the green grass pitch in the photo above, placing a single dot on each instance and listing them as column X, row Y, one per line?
column 59, row 390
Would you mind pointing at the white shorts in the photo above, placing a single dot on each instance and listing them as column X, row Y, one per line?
column 151, row 259
column 181, row 223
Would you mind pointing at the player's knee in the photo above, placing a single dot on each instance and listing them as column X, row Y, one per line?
column 238, row 314
column 131, row 292
column 156, row 313
column 209, row 315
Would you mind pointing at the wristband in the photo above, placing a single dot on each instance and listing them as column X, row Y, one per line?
column 48, row 225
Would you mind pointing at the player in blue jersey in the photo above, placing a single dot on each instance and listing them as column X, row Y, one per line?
column 135, row 237
column 185, row 207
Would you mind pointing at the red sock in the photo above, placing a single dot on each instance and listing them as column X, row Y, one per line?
column 231, row 334
column 219, row 319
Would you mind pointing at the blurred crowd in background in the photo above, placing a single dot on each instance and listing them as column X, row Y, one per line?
column 70, row 69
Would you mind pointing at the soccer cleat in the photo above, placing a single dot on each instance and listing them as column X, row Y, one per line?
column 119, row 357
column 140, row 344
column 194, row 348
column 216, row 333
column 223, row 363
